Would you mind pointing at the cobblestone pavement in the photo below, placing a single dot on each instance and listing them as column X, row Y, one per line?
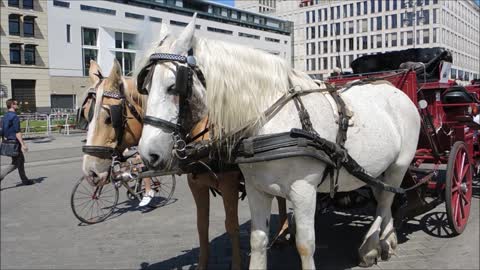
column 39, row 231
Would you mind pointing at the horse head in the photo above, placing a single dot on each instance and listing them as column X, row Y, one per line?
column 113, row 109
column 175, row 98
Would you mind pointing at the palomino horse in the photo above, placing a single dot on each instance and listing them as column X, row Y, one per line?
column 101, row 133
column 241, row 85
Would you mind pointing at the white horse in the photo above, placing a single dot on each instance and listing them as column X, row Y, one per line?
column 241, row 84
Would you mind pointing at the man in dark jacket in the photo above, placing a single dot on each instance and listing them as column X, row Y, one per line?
column 11, row 131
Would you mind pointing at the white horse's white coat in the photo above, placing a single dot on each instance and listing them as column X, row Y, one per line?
column 383, row 140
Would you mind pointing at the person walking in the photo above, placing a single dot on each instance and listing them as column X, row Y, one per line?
column 11, row 131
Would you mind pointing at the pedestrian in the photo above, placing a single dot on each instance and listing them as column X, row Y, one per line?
column 11, row 131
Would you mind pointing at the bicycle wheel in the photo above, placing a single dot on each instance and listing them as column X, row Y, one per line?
column 163, row 186
column 93, row 203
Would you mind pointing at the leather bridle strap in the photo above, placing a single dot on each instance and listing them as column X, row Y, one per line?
column 163, row 124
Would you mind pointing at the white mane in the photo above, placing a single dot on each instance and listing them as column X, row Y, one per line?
column 242, row 82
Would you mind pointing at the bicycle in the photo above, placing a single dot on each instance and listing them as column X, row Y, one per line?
column 92, row 200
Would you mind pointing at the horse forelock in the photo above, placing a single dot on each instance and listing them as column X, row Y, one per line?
column 241, row 82
column 92, row 126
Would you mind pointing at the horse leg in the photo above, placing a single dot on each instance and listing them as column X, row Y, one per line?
column 202, row 201
column 260, row 204
column 283, row 219
column 303, row 196
column 381, row 239
column 229, row 188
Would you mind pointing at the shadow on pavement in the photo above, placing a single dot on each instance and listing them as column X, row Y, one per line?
column 338, row 237
column 339, row 234
column 132, row 205
column 36, row 180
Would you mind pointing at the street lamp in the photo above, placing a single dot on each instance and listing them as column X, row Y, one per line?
column 410, row 17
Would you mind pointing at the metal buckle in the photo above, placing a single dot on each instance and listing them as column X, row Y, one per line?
column 191, row 61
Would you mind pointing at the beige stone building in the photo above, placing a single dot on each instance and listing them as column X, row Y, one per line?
column 24, row 54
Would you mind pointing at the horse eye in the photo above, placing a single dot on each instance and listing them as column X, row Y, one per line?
column 108, row 120
column 171, row 88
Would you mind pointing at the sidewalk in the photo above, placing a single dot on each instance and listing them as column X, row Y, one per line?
column 60, row 149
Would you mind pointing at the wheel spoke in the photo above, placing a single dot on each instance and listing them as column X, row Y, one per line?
column 467, row 170
column 461, row 167
column 464, row 199
column 455, row 204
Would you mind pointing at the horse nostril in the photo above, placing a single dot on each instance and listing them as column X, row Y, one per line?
column 154, row 158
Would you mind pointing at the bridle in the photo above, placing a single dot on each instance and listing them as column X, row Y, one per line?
column 118, row 117
column 186, row 66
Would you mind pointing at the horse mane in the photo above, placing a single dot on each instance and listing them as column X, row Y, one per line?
column 242, row 82
column 132, row 95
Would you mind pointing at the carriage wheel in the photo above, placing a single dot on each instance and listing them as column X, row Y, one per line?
column 92, row 203
column 458, row 187
column 164, row 188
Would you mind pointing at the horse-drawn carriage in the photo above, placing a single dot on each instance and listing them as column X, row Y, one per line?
column 446, row 160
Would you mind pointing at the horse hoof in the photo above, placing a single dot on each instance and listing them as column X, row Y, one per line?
column 369, row 259
column 385, row 254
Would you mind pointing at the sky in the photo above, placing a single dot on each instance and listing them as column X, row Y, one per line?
column 231, row 2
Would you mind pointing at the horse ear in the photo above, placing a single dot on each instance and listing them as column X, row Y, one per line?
column 94, row 72
column 163, row 31
column 116, row 73
column 184, row 41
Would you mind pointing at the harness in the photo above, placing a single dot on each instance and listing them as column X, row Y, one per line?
column 118, row 119
column 297, row 142
column 186, row 66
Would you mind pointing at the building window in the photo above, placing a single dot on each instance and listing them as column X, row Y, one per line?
column 134, row 16
column 61, row 4
column 272, row 40
column 29, row 26
column 14, row 24
column 127, row 61
column 372, row 6
column 325, row 47
column 88, row 54
column 155, row 19
column 68, row 33
column 435, row 13
column 453, row 74
column 28, row 4
column 394, row 21
column 351, row 10
column 409, row 38
column 98, row 10
column 379, row 41
column 13, row 3
column 359, row 8
column 29, row 55
column 15, row 54
column 380, row 5
column 125, row 41
column 379, row 23
column 435, row 33
column 218, row 30
column 240, row 34
column 394, row 39
column 89, row 42
column 312, row 32
column 177, row 23
column 365, row 9
column 426, row 36
column 325, row 30
column 89, row 36
column 365, row 42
